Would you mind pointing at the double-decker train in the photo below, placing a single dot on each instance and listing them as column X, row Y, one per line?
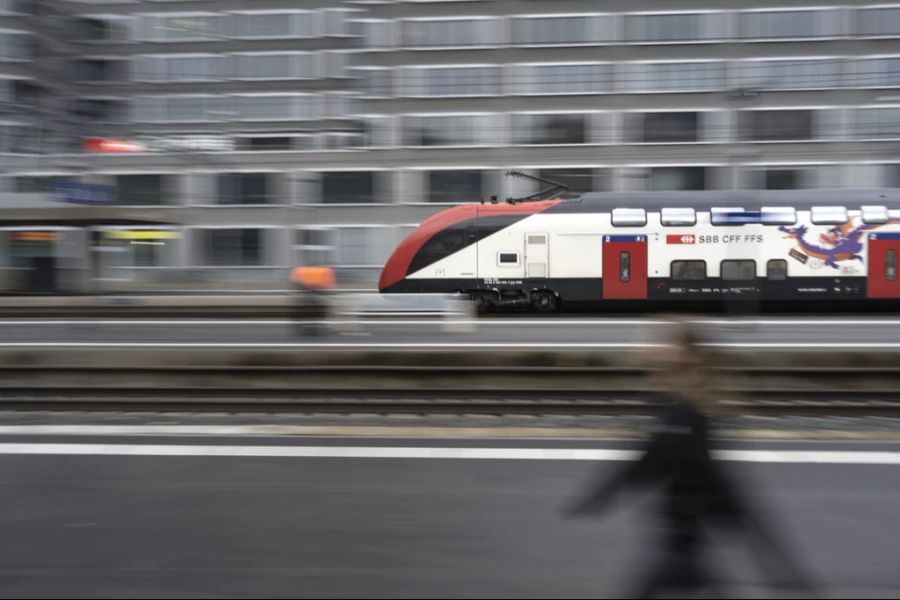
column 657, row 246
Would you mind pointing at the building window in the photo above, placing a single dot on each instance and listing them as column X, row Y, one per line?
column 738, row 270
column 275, row 107
column 185, row 27
column 182, row 109
column 455, row 32
column 782, row 179
column 377, row 34
column 688, row 270
column 376, row 83
column 891, row 175
column 15, row 45
column 456, row 130
column 880, row 21
column 97, row 70
column 663, row 127
column 233, row 247
column 579, row 181
column 777, row 269
column 562, row 79
column 676, row 77
column 455, row 186
column 878, row 122
column 348, row 187
column 676, row 178
column 357, row 253
column 561, row 30
column 266, row 25
column 138, row 190
column 791, row 74
column 788, row 24
column 777, row 125
column 35, row 185
column 549, row 129
column 201, row 67
column 878, row 72
column 314, row 246
column 667, row 27
column 289, row 65
column 453, row 81
column 99, row 109
column 335, row 22
column 246, row 188
column 264, row 143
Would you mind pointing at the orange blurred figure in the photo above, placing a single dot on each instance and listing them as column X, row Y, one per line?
column 314, row 278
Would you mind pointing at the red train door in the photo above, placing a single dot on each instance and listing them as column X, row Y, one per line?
column 883, row 280
column 624, row 267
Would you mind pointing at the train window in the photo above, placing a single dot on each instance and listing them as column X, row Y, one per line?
column 624, row 267
column 778, row 215
column 629, row 217
column 890, row 265
column 733, row 215
column 829, row 215
column 738, row 270
column 875, row 214
column 508, row 259
column 678, row 217
column 776, row 269
column 441, row 245
column 688, row 270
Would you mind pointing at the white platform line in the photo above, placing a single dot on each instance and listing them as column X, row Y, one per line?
column 372, row 452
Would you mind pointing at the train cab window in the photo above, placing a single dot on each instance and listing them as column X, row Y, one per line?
column 688, row 270
column 776, row 269
column 629, row 217
column 678, row 217
column 738, row 270
column 508, row 259
column 444, row 243
column 829, row 215
column 778, row 215
column 624, row 267
column 875, row 215
column 890, row 265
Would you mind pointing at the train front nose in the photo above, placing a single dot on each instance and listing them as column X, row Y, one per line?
column 391, row 275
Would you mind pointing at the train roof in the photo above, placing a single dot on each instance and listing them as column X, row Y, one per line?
column 852, row 199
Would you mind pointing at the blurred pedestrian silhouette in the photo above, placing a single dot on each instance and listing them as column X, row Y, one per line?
column 697, row 494
column 314, row 286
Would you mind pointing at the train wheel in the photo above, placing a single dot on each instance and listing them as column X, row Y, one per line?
column 544, row 301
column 483, row 303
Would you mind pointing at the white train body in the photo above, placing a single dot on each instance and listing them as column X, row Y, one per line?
column 589, row 250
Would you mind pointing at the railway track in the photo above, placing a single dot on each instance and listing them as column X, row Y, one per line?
column 437, row 389
column 485, row 401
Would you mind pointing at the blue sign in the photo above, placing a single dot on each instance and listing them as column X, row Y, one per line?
column 77, row 192
column 624, row 238
column 884, row 236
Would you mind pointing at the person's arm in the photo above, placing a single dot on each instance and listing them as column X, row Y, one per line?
column 603, row 490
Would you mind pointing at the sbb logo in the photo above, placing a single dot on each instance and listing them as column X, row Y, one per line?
column 681, row 238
